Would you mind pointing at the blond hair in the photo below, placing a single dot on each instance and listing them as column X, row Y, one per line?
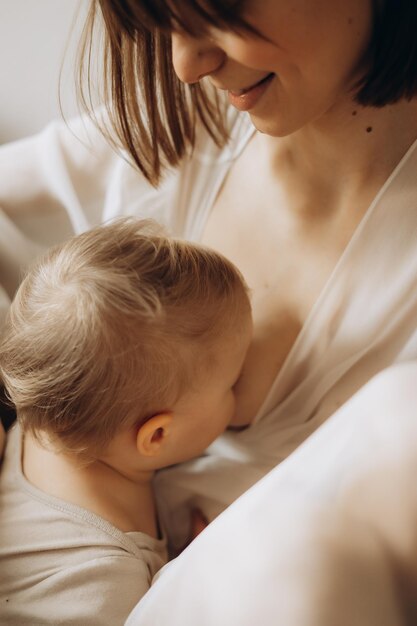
column 109, row 328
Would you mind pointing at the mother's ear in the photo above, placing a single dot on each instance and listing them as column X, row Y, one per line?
column 153, row 433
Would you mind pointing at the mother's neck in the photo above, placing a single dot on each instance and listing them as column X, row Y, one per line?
column 356, row 145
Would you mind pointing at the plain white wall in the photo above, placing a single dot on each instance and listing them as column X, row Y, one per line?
column 33, row 37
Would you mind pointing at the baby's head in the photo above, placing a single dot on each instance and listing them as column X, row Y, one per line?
column 122, row 332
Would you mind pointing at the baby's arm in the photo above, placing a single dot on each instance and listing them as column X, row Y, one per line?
column 98, row 592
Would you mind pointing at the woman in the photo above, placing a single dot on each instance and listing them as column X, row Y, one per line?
column 312, row 196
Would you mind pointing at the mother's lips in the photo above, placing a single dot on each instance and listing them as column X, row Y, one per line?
column 241, row 92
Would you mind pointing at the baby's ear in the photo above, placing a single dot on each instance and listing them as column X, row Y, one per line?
column 153, row 434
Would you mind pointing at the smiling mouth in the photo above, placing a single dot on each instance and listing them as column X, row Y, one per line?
column 241, row 92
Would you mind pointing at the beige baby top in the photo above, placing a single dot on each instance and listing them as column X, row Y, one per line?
column 61, row 564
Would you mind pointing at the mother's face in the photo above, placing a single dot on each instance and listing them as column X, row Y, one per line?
column 304, row 64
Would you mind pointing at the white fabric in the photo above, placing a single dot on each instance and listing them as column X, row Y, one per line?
column 62, row 564
column 327, row 538
column 68, row 179
column 364, row 320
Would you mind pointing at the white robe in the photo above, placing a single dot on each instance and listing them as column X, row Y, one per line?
column 327, row 538
column 363, row 322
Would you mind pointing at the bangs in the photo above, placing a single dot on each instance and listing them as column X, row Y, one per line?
column 190, row 16
column 151, row 114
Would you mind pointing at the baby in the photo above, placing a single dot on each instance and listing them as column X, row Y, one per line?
column 120, row 354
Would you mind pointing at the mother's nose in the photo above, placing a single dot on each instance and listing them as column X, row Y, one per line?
column 193, row 58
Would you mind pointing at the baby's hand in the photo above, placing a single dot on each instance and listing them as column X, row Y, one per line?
column 198, row 523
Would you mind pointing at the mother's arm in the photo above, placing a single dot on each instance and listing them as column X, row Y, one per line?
column 328, row 537
column 58, row 181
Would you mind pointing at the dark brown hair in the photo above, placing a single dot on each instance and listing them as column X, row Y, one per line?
column 153, row 114
column 392, row 55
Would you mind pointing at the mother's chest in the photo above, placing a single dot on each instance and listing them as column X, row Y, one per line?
column 285, row 277
column 287, row 259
